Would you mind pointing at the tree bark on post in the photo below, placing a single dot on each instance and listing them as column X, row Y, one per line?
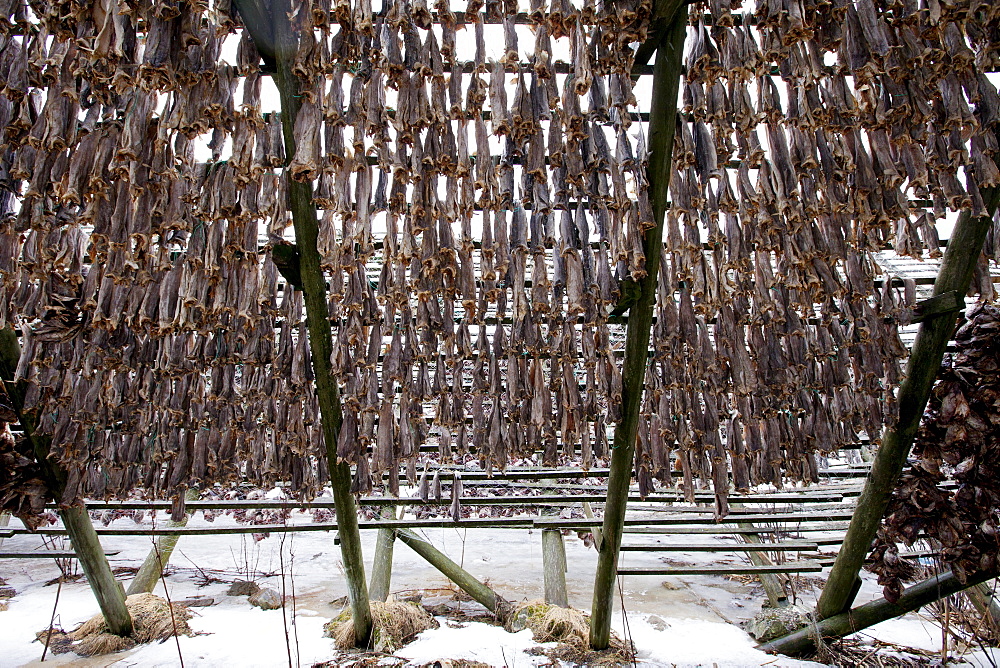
column 152, row 568
column 869, row 614
column 382, row 564
column 957, row 267
column 270, row 27
column 662, row 124
column 109, row 593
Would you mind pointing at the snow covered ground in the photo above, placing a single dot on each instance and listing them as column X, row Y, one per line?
column 673, row 621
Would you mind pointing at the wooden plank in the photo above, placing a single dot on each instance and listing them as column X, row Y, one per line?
column 733, row 569
column 780, row 546
column 726, row 530
column 560, row 500
column 792, row 518
column 487, row 523
column 46, row 554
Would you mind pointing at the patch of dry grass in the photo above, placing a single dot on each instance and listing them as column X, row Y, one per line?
column 151, row 620
column 395, row 624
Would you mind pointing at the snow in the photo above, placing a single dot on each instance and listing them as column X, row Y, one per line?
column 473, row 641
column 695, row 622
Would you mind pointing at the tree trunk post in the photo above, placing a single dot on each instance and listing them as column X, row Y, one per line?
column 869, row 614
column 382, row 566
column 554, row 567
column 159, row 555
column 957, row 267
column 662, row 123
column 108, row 591
column 271, row 30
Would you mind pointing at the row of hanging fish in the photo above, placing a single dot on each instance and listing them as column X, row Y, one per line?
column 480, row 180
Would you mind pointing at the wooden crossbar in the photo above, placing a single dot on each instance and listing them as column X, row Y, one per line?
column 541, row 499
column 734, row 569
column 45, row 554
column 761, row 518
column 784, row 546
column 727, row 530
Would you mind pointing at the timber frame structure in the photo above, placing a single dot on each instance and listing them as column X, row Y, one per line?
column 207, row 292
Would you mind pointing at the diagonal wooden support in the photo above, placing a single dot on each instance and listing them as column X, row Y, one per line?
column 271, row 30
column 957, row 268
column 869, row 614
column 662, row 124
column 491, row 600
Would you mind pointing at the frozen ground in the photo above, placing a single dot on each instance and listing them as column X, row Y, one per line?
column 674, row 621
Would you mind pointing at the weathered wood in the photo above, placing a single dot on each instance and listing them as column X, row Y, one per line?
column 46, row 554
column 949, row 302
column 776, row 518
column 869, row 614
column 728, row 530
column 382, row 565
column 554, row 568
column 4, row 521
column 159, row 555
column 109, row 593
column 461, row 577
column 662, row 123
column 983, row 599
column 271, row 30
column 733, row 569
column 557, row 500
column 596, row 532
column 960, row 260
column 783, row 546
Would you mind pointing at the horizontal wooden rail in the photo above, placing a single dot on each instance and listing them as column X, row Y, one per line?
column 540, row 499
column 783, row 546
column 46, row 554
column 735, row 569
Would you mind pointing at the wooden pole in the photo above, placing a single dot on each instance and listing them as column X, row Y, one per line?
column 869, row 614
column 491, row 600
column 662, row 123
column 159, row 555
column 554, row 567
column 957, row 267
column 382, row 566
column 269, row 24
column 87, row 546
column 983, row 598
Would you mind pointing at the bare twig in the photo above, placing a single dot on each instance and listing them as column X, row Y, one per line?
column 52, row 620
column 170, row 605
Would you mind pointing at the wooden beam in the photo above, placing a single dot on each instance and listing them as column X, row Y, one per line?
column 554, row 568
column 277, row 38
column 159, row 555
column 382, row 566
column 869, row 614
column 955, row 275
column 468, row 583
column 662, row 123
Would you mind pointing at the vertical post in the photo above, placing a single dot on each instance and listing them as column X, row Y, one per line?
column 554, row 567
column 662, row 123
column 957, row 267
column 108, row 592
column 382, row 565
column 270, row 27
column 149, row 573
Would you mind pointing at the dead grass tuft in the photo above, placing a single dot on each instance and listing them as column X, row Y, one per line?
column 395, row 624
column 570, row 629
column 151, row 620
